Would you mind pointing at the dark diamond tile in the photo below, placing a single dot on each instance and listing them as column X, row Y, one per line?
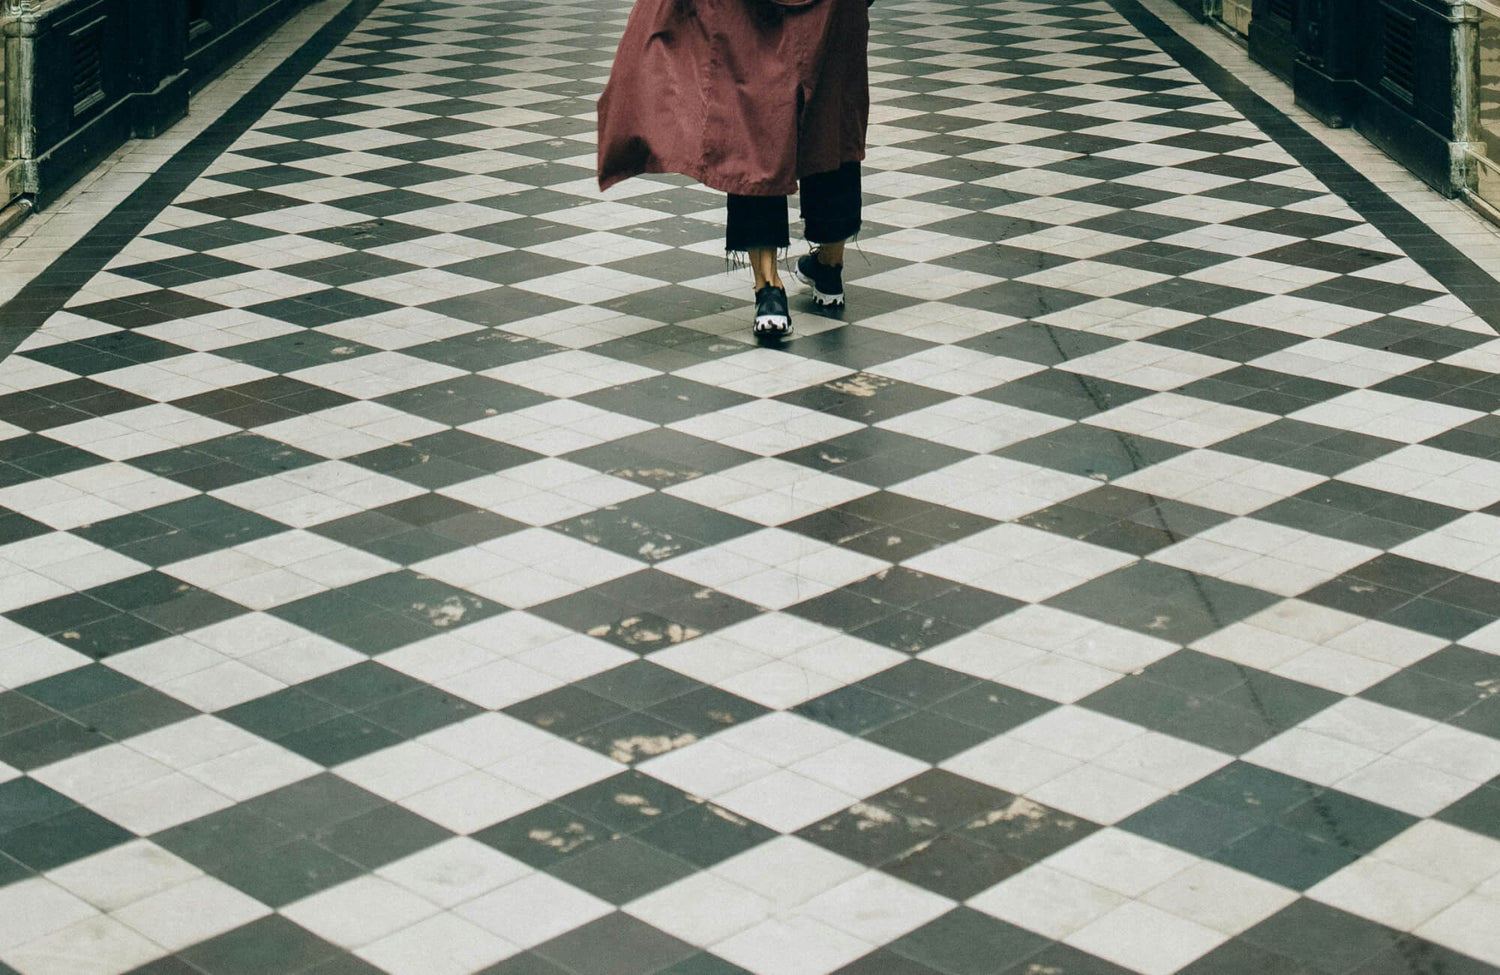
column 1286, row 857
column 17, row 528
column 965, row 942
column 635, row 737
column 1025, row 830
column 526, row 963
column 704, row 835
column 355, row 622
column 663, row 399
column 639, row 684
column 380, row 836
column 1322, row 938
column 616, row 944
column 301, row 350
column 1411, row 953
column 18, row 711
column 871, row 834
column 993, row 707
column 943, row 799
column 629, row 802
column 900, row 586
column 44, row 844
column 419, row 711
column 48, row 741
column 170, row 965
column 271, row 944
column 1067, row 960
column 343, row 965
column 918, row 683
column 707, row 710
column 668, row 348
column 1252, row 790
column 465, row 399
column 567, row 711
column 928, row 736
column 955, row 866
column 884, row 962
column 853, row 709
column 867, row 398
column 1190, row 824
column 340, row 739
column 360, row 686
column 660, row 458
column 1424, row 694
column 313, row 804
column 910, row 631
column 61, row 613
column 276, row 715
column 1224, row 339
column 545, row 836
column 622, row 869
column 858, row 348
column 1346, row 821
column 1478, row 811
column 877, row 457
column 284, row 873
column 25, row 801
column 1065, row 394
column 655, row 527
column 842, row 608
column 1167, row 603
column 1239, row 957
column 80, row 688
column 1092, row 452
column 133, row 713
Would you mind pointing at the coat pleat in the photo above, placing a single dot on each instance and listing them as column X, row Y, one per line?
column 744, row 96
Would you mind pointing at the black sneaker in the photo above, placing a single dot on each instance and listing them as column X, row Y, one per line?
column 772, row 317
column 826, row 280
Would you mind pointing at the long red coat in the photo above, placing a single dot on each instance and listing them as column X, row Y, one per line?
column 744, row 96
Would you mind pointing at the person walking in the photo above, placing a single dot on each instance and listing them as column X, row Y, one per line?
column 750, row 97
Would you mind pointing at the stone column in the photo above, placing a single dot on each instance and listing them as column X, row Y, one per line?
column 18, row 30
column 1468, row 138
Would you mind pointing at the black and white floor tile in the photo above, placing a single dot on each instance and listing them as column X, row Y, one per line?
column 409, row 564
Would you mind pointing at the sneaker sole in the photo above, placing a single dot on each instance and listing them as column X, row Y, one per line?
column 819, row 298
column 772, row 326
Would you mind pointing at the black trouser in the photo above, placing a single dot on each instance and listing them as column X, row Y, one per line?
column 830, row 213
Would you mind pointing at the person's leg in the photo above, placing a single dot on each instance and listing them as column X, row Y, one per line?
column 831, row 213
column 757, row 226
column 763, row 266
column 831, row 207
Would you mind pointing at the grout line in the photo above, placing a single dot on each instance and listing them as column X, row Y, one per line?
column 1443, row 215
column 1430, row 247
column 50, row 232
column 49, row 291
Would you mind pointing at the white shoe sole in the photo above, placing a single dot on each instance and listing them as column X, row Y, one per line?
column 819, row 298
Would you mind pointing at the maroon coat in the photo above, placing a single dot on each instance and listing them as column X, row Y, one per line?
column 744, row 96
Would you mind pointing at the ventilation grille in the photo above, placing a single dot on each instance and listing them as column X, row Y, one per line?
column 1399, row 60
column 1283, row 9
column 88, row 60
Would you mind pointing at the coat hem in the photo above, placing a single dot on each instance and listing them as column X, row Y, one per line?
column 707, row 177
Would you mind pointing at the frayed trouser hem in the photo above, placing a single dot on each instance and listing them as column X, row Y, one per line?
column 739, row 260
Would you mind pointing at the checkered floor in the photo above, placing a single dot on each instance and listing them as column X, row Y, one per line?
column 408, row 564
